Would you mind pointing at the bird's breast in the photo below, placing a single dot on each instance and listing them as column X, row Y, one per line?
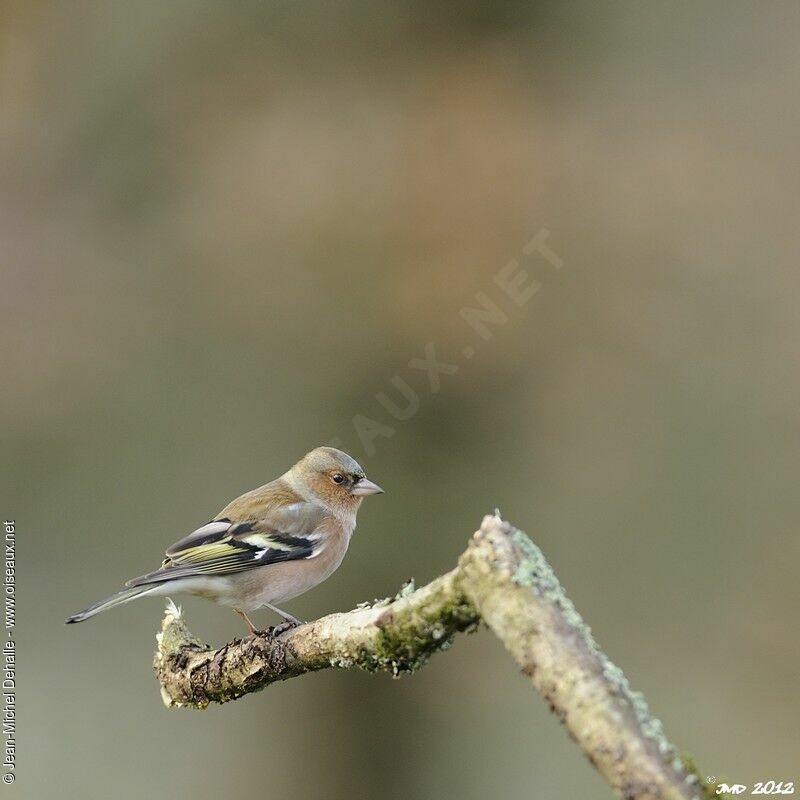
column 286, row 580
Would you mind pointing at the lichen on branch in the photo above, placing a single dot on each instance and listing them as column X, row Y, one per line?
column 395, row 635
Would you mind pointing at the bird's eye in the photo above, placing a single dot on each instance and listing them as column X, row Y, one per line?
column 337, row 477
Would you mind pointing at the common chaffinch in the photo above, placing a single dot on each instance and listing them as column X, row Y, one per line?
column 267, row 546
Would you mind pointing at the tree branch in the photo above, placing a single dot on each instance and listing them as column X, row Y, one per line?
column 503, row 580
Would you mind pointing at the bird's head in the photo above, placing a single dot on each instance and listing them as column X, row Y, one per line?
column 333, row 478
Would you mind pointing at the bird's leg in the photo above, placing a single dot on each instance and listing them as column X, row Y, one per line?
column 246, row 619
column 288, row 620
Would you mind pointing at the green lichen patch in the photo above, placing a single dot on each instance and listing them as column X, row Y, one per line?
column 408, row 635
column 534, row 572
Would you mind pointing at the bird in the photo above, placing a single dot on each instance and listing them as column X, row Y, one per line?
column 267, row 546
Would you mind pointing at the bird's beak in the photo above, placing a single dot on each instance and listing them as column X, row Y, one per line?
column 365, row 487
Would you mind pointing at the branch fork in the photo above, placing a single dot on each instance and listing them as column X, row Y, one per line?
column 503, row 581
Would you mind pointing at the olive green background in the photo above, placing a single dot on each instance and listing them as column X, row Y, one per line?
column 226, row 227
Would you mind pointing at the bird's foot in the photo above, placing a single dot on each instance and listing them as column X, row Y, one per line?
column 284, row 626
column 250, row 626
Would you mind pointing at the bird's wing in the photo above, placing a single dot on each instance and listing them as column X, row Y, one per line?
column 224, row 546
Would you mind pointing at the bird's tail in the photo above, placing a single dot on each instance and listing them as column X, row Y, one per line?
column 115, row 600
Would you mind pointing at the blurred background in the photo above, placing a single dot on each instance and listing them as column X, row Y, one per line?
column 226, row 227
